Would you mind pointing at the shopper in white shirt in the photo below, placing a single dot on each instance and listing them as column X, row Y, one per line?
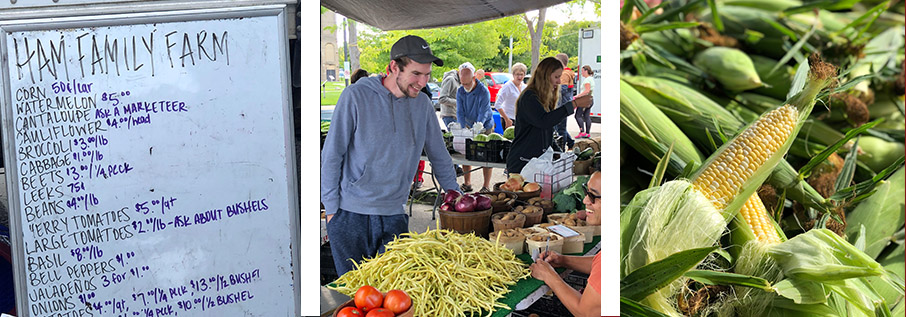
column 583, row 116
column 506, row 97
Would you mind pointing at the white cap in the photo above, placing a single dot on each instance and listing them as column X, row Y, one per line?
column 467, row 65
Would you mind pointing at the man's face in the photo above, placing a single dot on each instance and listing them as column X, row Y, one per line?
column 413, row 78
column 465, row 77
column 519, row 76
column 593, row 205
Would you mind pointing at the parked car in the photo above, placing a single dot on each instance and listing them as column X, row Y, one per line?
column 525, row 80
column 435, row 94
column 495, row 81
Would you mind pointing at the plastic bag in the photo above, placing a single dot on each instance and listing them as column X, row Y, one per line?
column 478, row 128
column 453, row 126
column 540, row 165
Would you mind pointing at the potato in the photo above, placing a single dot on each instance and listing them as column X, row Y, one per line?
column 570, row 222
column 501, row 196
column 520, row 208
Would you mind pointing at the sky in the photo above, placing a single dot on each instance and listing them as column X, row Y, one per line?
column 560, row 13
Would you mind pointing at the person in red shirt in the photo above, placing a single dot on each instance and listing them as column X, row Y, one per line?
column 588, row 303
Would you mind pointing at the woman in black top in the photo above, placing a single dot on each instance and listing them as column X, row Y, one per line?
column 536, row 116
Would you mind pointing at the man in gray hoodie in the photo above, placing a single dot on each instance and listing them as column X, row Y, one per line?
column 378, row 130
column 447, row 96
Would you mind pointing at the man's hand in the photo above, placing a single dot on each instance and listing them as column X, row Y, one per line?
column 509, row 123
column 583, row 102
column 328, row 218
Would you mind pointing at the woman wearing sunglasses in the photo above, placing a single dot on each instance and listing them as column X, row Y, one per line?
column 588, row 303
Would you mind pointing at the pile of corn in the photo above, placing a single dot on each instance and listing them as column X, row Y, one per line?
column 445, row 273
column 772, row 130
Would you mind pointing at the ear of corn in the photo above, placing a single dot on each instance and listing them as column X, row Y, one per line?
column 664, row 220
column 679, row 42
column 637, row 112
column 732, row 174
column 731, row 67
column 879, row 153
column 684, row 105
column 693, row 110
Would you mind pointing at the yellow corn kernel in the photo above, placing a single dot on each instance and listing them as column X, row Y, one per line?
column 756, row 216
column 722, row 179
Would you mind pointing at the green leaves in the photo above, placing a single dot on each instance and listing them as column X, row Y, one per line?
column 821, row 157
column 633, row 308
column 652, row 277
column 724, row 278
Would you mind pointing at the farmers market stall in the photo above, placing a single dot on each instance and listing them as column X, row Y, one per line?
column 520, row 296
column 494, row 265
column 458, row 159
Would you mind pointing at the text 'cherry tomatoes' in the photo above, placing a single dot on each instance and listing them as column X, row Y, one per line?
column 368, row 298
column 350, row 312
column 380, row 312
column 397, row 301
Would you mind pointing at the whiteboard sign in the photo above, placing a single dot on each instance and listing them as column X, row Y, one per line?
column 150, row 164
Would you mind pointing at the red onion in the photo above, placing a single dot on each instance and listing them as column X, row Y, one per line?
column 447, row 207
column 465, row 204
column 450, row 196
column 482, row 202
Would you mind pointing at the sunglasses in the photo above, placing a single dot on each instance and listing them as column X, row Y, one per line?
column 588, row 192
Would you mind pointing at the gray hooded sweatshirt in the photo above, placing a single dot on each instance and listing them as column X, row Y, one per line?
column 373, row 146
column 447, row 96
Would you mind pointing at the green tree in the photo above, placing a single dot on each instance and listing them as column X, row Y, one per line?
column 475, row 43
column 566, row 39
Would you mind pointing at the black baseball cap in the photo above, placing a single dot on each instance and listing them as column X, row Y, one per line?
column 415, row 48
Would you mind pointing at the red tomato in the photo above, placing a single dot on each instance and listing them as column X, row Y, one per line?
column 397, row 301
column 368, row 298
column 350, row 312
column 380, row 312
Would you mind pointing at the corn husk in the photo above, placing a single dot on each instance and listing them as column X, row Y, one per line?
column 661, row 221
column 766, row 5
column 778, row 83
column 879, row 153
column 883, row 212
column 820, row 255
column 641, row 114
column 731, row 67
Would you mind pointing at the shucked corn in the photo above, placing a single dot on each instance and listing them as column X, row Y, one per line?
column 735, row 171
column 722, row 179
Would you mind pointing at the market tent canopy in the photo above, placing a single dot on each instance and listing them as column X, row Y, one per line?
column 406, row 15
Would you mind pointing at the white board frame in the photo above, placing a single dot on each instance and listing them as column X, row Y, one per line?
column 8, row 128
